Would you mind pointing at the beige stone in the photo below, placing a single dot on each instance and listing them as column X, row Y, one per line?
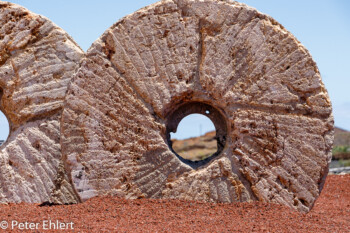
column 37, row 61
column 277, row 129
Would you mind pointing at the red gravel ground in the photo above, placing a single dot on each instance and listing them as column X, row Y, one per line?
column 331, row 213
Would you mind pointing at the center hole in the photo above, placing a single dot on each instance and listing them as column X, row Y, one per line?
column 4, row 124
column 195, row 138
column 4, row 128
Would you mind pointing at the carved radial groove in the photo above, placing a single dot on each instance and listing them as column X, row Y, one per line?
column 226, row 55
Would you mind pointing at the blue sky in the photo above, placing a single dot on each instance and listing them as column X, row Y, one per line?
column 323, row 26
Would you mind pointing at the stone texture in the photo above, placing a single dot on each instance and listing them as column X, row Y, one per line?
column 37, row 61
column 225, row 54
column 264, row 92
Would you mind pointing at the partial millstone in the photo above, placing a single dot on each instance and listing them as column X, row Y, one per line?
column 37, row 61
column 276, row 129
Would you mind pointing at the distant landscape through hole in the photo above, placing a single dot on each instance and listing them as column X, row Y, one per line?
column 195, row 137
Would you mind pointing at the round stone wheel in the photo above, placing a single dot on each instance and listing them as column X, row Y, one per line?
column 37, row 61
column 276, row 129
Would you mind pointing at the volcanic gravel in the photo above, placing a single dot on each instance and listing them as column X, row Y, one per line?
column 331, row 213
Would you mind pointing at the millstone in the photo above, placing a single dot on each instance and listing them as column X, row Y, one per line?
column 37, row 61
column 276, row 130
column 251, row 77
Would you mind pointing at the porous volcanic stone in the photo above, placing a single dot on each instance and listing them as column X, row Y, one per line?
column 37, row 61
column 277, row 128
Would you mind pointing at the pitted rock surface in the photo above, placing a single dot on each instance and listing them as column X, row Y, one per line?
column 224, row 54
column 37, row 61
